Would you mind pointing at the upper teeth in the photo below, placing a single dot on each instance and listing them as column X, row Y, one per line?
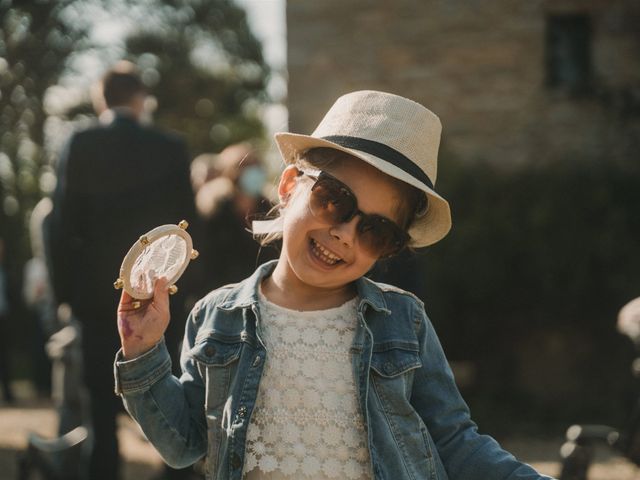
column 325, row 252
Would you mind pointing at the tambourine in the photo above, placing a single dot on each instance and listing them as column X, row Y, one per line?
column 164, row 251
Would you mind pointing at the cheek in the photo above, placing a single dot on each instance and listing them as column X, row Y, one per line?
column 366, row 263
column 364, row 257
column 296, row 204
column 296, row 222
column 362, row 263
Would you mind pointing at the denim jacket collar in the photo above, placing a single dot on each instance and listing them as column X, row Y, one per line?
column 245, row 294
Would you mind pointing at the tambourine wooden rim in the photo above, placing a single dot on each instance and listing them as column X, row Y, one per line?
column 124, row 280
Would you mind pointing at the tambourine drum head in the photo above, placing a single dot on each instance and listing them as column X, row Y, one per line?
column 164, row 251
column 163, row 258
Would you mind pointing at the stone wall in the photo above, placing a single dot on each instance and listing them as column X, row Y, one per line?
column 480, row 65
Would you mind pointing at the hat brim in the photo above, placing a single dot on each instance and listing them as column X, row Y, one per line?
column 426, row 230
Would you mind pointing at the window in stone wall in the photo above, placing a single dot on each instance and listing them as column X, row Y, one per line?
column 568, row 52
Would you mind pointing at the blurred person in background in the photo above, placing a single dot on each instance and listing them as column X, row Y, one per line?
column 4, row 340
column 38, row 297
column 116, row 181
column 56, row 326
column 226, row 203
column 203, row 169
column 36, row 287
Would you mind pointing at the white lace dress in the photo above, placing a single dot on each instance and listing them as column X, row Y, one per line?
column 307, row 422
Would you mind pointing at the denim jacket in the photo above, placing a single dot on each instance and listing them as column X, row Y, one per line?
column 418, row 425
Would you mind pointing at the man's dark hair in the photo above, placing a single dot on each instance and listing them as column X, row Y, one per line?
column 120, row 84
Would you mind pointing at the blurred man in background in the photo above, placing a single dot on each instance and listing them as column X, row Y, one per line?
column 116, row 181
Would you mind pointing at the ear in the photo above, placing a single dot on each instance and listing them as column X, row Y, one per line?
column 288, row 181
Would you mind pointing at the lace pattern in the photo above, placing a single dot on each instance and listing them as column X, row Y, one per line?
column 307, row 422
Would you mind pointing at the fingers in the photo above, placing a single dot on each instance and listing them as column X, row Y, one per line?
column 161, row 294
column 125, row 302
column 160, row 298
column 125, row 298
column 130, row 304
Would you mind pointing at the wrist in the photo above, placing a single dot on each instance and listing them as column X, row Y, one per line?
column 131, row 351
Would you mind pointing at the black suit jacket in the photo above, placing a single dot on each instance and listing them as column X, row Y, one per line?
column 115, row 182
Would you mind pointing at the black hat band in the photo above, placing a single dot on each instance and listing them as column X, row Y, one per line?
column 384, row 152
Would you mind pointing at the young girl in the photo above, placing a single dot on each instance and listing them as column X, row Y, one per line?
column 307, row 369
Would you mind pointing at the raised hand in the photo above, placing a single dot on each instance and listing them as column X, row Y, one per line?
column 142, row 323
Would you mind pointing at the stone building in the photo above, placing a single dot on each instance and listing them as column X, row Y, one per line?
column 514, row 82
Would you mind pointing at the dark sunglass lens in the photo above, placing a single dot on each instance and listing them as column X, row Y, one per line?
column 331, row 202
column 380, row 236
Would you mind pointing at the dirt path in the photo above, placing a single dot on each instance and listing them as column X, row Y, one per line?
column 142, row 462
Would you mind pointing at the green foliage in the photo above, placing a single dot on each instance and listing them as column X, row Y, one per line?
column 206, row 68
column 36, row 41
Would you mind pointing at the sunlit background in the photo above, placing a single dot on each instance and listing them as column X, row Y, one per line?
column 540, row 102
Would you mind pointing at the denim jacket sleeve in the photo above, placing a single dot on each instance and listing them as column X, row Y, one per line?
column 465, row 453
column 169, row 410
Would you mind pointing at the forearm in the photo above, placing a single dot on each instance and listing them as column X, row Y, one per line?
column 465, row 453
column 161, row 405
column 472, row 456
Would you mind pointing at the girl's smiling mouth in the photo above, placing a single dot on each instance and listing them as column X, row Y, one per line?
column 324, row 255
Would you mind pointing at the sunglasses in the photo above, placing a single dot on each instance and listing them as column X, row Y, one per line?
column 332, row 202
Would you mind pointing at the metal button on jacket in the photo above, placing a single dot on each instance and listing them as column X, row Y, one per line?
column 209, row 350
column 257, row 360
column 242, row 411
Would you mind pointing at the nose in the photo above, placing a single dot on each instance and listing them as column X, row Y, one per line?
column 346, row 232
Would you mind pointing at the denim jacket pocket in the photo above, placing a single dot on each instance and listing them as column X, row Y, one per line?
column 214, row 351
column 392, row 368
column 217, row 362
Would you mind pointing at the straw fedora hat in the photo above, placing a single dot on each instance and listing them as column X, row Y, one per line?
column 394, row 134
